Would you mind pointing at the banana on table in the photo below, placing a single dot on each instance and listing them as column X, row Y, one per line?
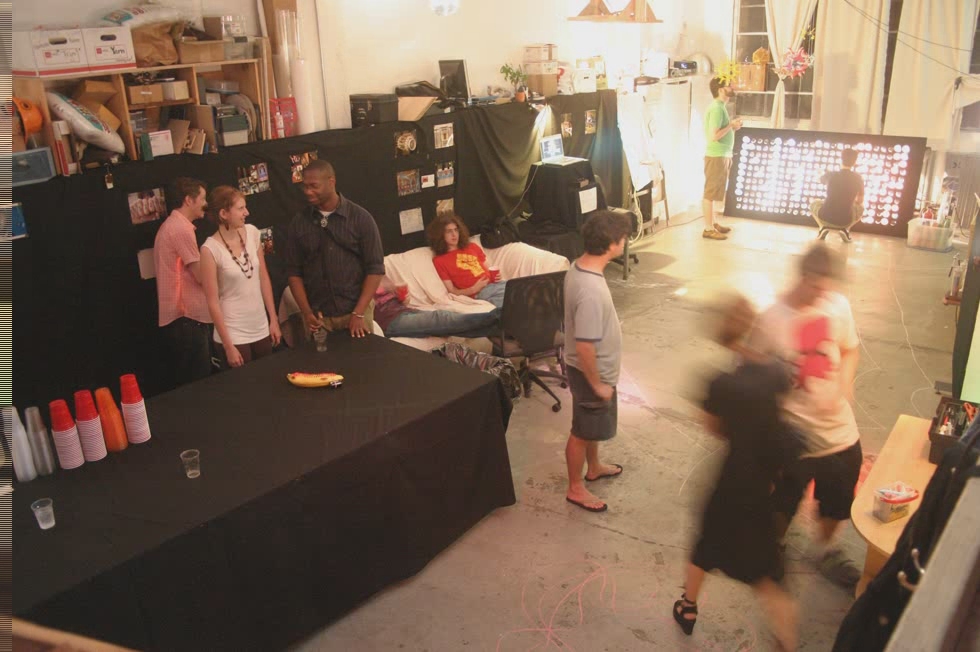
column 301, row 379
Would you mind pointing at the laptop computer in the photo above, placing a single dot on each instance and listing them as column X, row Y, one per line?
column 553, row 152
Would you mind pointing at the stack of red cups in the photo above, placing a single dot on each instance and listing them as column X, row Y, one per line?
column 134, row 410
column 89, row 427
column 65, row 436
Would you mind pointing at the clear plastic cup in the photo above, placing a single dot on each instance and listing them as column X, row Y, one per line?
column 320, row 338
column 43, row 509
column 192, row 462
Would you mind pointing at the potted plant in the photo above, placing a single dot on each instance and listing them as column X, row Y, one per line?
column 517, row 78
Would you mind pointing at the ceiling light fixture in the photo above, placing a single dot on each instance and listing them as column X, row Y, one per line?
column 444, row 7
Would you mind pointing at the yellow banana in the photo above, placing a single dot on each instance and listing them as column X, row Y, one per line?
column 301, row 379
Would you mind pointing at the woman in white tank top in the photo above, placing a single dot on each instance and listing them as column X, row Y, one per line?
column 236, row 282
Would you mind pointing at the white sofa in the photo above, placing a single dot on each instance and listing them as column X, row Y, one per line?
column 426, row 291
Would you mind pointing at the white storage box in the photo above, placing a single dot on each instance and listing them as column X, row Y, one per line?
column 175, row 90
column 43, row 52
column 584, row 81
column 923, row 234
column 109, row 48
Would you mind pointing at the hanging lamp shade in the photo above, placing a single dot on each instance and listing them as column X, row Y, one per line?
column 444, row 7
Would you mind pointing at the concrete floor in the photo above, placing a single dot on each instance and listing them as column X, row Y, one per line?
column 543, row 573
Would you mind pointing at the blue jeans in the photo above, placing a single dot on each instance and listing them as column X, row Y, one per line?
column 424, row 323
column 494, row 293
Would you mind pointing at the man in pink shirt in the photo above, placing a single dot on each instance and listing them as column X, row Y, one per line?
column 183, row 307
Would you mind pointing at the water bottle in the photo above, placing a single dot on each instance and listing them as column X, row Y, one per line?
column 20, row 447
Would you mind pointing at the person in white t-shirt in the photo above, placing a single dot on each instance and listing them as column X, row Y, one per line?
column 812, row 328
column 236, row 282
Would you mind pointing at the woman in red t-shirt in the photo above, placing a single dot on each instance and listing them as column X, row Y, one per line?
column 461, row 264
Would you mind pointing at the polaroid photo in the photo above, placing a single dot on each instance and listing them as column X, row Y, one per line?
column 445, row 207
column 265, row 237
column 445, row 174
column 590, row 121
column 147, row 205
column 408, row 182
column 411, row 220
column 443, row 135
column 566, row 125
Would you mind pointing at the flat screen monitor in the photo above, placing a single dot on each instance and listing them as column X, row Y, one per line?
column 453, row 79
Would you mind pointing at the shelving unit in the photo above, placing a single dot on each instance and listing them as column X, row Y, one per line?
column 247, row 72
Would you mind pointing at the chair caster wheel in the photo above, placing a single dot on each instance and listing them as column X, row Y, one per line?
column 556, row 407
column 564, row 385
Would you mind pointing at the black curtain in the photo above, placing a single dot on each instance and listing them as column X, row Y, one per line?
column 83, row 316
column 604, row 148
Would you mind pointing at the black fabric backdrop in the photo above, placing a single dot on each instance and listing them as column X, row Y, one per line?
column 83, row 316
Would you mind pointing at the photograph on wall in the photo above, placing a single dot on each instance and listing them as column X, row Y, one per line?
column 147, row 205
column 411, row 220
column 445, row 174
column 299, row 162
column 406, row 142
column 443, row 135
column 428, row 181
column 253, row 179
column 590, row 121
column 566, row 125
column 408, row 182
column 445, row 207
column 265, row 237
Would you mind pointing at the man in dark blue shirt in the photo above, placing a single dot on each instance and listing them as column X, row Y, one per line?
column 334, row 259
column 844, row 205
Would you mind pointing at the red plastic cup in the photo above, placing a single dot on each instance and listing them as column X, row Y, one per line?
column 402, row 291
column 129, row 390
column 85, row 406
column 60, row 416
column 494, row 274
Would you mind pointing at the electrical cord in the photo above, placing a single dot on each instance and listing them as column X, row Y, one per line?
column 527, row 187
column 898, row 31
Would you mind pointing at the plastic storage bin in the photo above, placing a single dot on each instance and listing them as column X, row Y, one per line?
column 925, row 234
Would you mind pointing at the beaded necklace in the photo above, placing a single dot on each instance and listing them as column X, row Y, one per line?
column 245, row 264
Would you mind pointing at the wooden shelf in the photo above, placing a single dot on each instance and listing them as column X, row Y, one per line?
column 249, row 73
column 156, row 105
column 637, row 11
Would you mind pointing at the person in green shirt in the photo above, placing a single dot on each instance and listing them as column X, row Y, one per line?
column 719, row 131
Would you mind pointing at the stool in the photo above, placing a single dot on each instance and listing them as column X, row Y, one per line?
column 827, row 227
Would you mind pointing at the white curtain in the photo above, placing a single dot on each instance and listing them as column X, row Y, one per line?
column 785, row 20
column 932, row 53
column 849, row 75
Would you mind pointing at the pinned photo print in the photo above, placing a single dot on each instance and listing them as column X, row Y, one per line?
column 443, row 135
column 147, row 205
column 408, row 182
column 299, row 162
column 445, row 207
column 445, row 174
column 566, row 125
column 590, row 121
column 253, row 179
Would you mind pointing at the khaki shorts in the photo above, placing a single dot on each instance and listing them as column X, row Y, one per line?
column 716, row 177
column 857, row 212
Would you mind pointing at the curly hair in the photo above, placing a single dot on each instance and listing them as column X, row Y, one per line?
column 436, row 232
column 604, row 229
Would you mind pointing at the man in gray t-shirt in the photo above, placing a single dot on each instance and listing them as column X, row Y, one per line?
column 593, row 343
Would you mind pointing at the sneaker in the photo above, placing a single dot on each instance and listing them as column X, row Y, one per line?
column 713, row 234
column 721, row 228
column 839, row 569
column 845, row 235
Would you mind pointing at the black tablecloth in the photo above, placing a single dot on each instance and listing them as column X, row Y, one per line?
column 309, row 501
column 553, row 192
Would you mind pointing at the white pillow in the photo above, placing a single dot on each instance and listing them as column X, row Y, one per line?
column 85, row 124
column 139, row 15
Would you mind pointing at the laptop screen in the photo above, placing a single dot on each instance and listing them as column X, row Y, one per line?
column 552, row 147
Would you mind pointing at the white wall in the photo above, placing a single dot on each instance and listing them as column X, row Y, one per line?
column 88, row 13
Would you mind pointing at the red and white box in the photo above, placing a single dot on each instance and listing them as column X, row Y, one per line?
column 46, row 52
column 109, row 48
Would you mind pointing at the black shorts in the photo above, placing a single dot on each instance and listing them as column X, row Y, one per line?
column 592, row 418
column 834, row 479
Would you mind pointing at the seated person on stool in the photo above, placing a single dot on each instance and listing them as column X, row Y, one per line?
column 844, row 205
column 398, row 320
column 461, row 264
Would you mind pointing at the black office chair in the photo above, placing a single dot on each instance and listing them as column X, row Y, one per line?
column 531, row 327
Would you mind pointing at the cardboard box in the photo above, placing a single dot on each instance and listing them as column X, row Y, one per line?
column 44, row 52
column 584, row 81
column 539, row 52
column 145, row 94
column 751, row 77
column 92, row 94
column 541, row 68
column 175, row 90
column 200, row 51
column 546, row 85
column 109, row 48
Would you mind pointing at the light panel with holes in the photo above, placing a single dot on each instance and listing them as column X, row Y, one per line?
column 776, row 175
